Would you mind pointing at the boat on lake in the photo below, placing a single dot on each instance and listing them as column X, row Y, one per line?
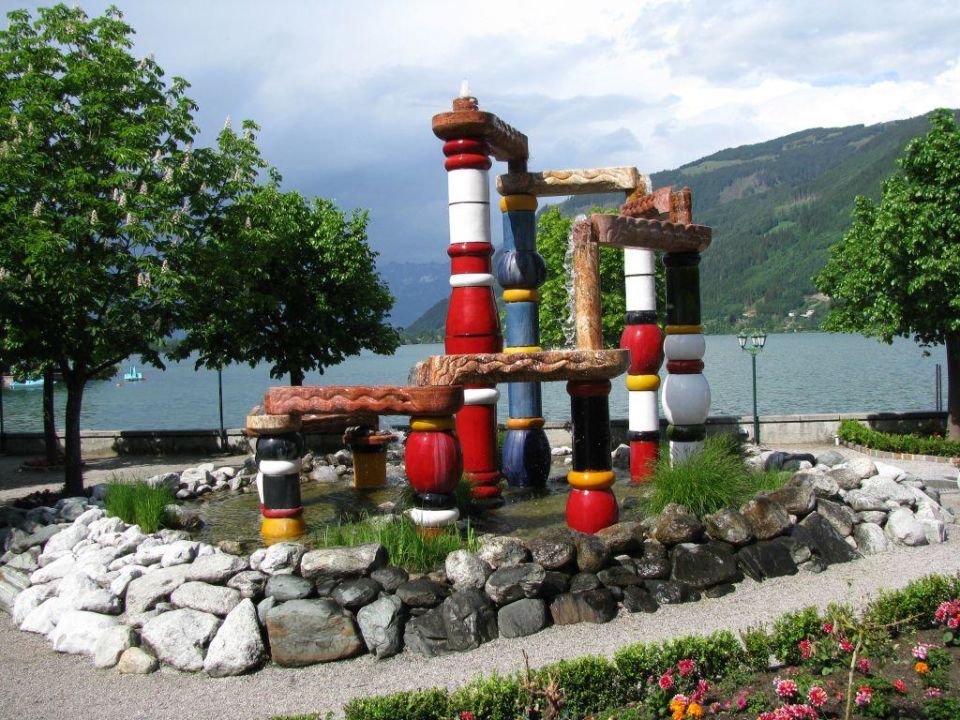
column 133, row 376
column 27, row 383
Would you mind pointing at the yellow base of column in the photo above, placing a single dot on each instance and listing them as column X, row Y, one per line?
column 274, row 530
column 369, row 469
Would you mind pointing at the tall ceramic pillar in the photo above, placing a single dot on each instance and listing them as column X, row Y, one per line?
column 686, row 394
column 434, row 465
column 642, row 338
column 591, row 505
column 472, row 322
column 520, row 271
column 278, row 483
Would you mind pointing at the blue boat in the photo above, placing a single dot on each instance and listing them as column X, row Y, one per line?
column 133, row 376
column 28, row 383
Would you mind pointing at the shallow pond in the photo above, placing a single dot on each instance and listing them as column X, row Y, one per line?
column 523, row 513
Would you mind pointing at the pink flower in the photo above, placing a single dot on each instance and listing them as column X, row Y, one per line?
column 846, row 645
column 466, row 715
column 817, row 696
column 790, row 712
column 864, row 695
column 920, row 651
column 686, row 667
column 697, row 695
column 933, row 692
column 900, row 686
column 742, row 702
column 953, row 622
column 785, row 688
column 827, row 628
column 666, row 681
column 806, row 649
column 863, row 665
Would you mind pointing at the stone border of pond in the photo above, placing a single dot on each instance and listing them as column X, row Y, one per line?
column 97, row 586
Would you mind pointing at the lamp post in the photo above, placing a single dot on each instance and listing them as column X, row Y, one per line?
column 757, row 340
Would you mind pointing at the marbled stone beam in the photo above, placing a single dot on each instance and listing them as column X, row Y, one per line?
column 554, row 183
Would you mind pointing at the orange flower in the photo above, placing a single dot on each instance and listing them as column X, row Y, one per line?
column 694, row 710
column 677, row 713
column 921, row 667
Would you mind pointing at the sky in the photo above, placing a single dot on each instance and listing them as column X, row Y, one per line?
column 344, row 91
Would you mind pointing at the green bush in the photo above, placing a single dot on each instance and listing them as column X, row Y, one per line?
column 496, row 697
column 912, row 607
column 714, row 654
column 854, row 432
column 941, row 709
column 590, row 684
column 756, row 643
column 637, row 662
column 713, row 478
column 429, row 704
column 138, row 503
column 790, row 629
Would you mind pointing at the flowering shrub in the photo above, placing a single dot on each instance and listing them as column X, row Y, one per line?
column 864, row 695
column 785, row 689
column 790, row 712
column 948, row 614
column 817, row 696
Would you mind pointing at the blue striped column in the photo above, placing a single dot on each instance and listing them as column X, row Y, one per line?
column 520, row 271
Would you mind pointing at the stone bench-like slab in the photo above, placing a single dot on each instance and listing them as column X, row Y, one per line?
column 548, row 366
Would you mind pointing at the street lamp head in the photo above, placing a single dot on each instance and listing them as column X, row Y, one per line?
column 759, row 339
column 742, row 339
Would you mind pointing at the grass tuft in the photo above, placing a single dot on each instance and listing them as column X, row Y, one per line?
column 138, row 503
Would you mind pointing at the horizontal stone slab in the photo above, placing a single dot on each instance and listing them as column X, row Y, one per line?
column 548, row 366
column 506, row 143
column 629, row 232
column 555, row 183
column 373, row 399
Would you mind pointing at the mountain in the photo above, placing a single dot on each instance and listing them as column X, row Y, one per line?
column 416, row 287
column 775, row 208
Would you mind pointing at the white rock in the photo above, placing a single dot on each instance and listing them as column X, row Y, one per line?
column 66, row 539
column 111, row 644
column 105, row 526
column 44, row 618
column 238, row 645
column 256, row 557
column 216, row 568
column 89, row 516
column 870, row 538
column 862, row 466
column 125, row 576
column 903, row 528
column 145, row 592
column 214, row 599
column 889, row 471
column 62, row 566
column 561, row 451
column 137, row 661
column 280, row 558
column 179, row 637
column 149, row 553
column 887, row 489
column 226, row 471
column 31, row 598
column 124, row 561
column 78, row 631
column 179, row 553
column 204, row 549
column 935, row 531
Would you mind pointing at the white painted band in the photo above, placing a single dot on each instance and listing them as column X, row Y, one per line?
column 641, row 292
column 433, row 518
column 260, row 487
column 684, row 347
column 469, row 222
column 279, row 467
column 643, row 411
column 471, row 280
column 686, row 399
column 681, row 451
column 468, row 185
column 637, row 261
column 480, row 396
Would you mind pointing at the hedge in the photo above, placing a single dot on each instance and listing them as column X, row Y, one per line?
column 854, row 432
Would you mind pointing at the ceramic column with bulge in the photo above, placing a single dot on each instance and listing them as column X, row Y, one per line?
column 642, row 337
column 520, row 271
column 278, row 484
column 434, row 465
column 473, row 325
column 686, row 394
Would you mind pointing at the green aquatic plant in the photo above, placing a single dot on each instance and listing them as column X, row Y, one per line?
column 137, row 502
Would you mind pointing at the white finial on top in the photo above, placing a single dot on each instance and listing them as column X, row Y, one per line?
column 464, row 88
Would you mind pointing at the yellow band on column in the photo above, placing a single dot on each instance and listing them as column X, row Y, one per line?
column 431, row 424
column 524, row 423
column 274, row 530
column 591, row 479
column 524, row 349
column 640, row 383
column 521, row 295
column 684, row 329
column 518, row 202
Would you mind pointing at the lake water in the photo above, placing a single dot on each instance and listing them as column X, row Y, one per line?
column 796, row 373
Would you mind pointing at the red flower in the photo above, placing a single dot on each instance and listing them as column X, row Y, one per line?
column 466, row 715
column 846, row 645
column 817, row 696
column 806, row 649
column 900, row 686
column 666, row 681
column 785, row 688
column 864, row 695
column 827, row 628
column 863, row 665
column 686, row 667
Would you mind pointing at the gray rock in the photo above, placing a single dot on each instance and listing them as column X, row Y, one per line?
column 391, row 577
column 469, row 620
column 592, row 553
column 217, row 568
column 22, row 541
column 888, row 489
column 830, row 458
column 863, row 467
column 25, row 561
column 426, row 634
column 654, row 563
column 288, row 587
column 250, row 583
column 422, row 593
column 381, row 624
column 324, row 474
column 799, row 551
column 553, row 550
column 264, row 607
column 766, row 559
column 676, row 524
column 66, row 539
column 279, row 559
column 508, row 584
column 213, row 599
column 839, row 516
column 356, row 592
column 877, row 517
column 845, row 478
column 822, row 538
column 339, row 562
column 179, row 637
column 728, row 526
column 180, row 552
column 824, row 486
column 666, row 592
column 903, row 528
column 593, row 606
column 137, row 661
column 77, row 631
column 503, row 551
column 619, row 576
column 554, row 583
column 702, row 566
column 111, row 644
column 237, row 647
column 466, row 570
column 795, row 499
column 146, row 591
column 182, row 518
column 521, row 618
column 623, row 537
column 766, row 518
column 304, row 632
column 637, row 599
column 870, row 539
column 581, row 582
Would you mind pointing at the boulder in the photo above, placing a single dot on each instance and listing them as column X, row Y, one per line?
column 422, row 593
column 30, row 599
column 249, row 583
column 381, row 624
column 508, row 584
column 354, row 593
column 392, row 577
column 799, row 551
column 844, row 477
column 180, row 552
column 795, row 499
column 824, row 486
column 728, row 526
column 654, row 564
column 676, row 524
column 111, row 644
column 217, row 568
column 263, row 607
column 279, row 559
column 766, row 559
column 862, row 467
column 553, row 550
column 623, row 537
column 592, row 553
column 238, row 646
column 469, row 619
column 839, row 516
column 903, row 528
column 66, row 539
column 554, row 583
column 55, row 570
column 864, row 500
column 426, row 634
column 466, row 570
column 179, row 637
column 77, row 631
column 213, row 599
column 137, row 661
column 766, row 518
column 304, row 632
column 877, row 517
column 502, row 551
column 702, row 566
column 581, row 582
column 637, row 599
column 44, row 617
column 124, row 576
column 288, row 587
column 666, row 592
column 819, row 535
column 521, row 618
column 870, row 539
column 889, row 489
column 341, row 562
column 830, row 458
column 619, row 576
column 593, row 606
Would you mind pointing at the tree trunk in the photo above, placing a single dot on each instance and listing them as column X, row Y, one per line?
column 953, row 385
column 296, row 377
column 73, row 463
column 50, row 442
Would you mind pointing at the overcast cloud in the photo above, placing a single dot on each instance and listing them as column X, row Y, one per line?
column 344, row 91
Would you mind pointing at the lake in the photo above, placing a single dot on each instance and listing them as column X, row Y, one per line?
column 796, row 373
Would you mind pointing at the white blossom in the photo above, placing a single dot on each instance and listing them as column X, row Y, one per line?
column 143, row 188
column 247, row 224
column 168, row 175
column 227, row 123
column 165, row 267
column 122, row 200
column 4, row 149
column 143, row 279
column 156, row 156
column 115, row 195
column 37, row 208
column 131, row 219
column 93, row 217
column 4, row 274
